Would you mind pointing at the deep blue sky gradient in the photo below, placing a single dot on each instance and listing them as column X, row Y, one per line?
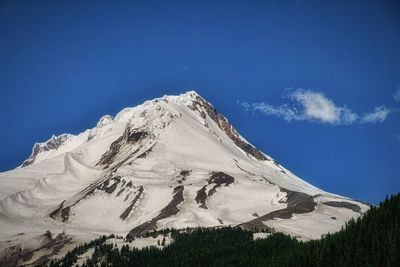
column 64, row 64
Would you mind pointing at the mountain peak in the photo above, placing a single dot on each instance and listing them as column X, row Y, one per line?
column 191, row 94
column 171, row 162
column 105, row 120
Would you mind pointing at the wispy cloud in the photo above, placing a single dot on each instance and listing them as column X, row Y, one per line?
column 379, row 114
column 316, row 106
column 283, row 111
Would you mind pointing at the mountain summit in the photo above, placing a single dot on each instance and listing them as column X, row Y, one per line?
column 172, row 162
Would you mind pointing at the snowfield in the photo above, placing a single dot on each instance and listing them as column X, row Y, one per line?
column 172, row 162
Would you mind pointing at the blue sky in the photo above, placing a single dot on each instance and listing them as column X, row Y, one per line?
column 313, row 84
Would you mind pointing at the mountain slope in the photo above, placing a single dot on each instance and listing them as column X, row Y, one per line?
column 371, row 240
column 171, row 162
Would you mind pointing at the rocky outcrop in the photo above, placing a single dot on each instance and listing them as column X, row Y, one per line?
column 130, row 136
column 297, row 203
column 20, row 256
column 108, row 184
column 168, row 211
column 105, row 120
column 203, row 107
column 216, row 179
column 342, row 204
column 52, row 144
column 201, row 197
column 128, row 210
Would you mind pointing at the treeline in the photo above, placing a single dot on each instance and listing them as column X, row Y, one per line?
column 72, row 256
column 373, row 240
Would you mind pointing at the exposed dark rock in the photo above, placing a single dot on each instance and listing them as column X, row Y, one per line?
column 220, row 178
column 126, row 213
column 216, row 178
column 55, row 245
column 65, row 214
column 220, row 221
column 108, row 157
column 122, row 162
column 201, row 197
column 146, row 153
column 129, row 136
column 364, row 202
column 50, row 248
column 61, row 211
column 120, row 192
column 182, row 175
column 56, row 211
column 200, row 105
column 343, row 204
column 185, row 173
column 294, row 198
column 136, row 136
column 27, row 256
column 169, row 210
column 267, row 180
column 240, row 168
column 255, row 214
column 297, row 203
column 127, row 196
column 213, row 190
column 111, row 189
column 52, row 144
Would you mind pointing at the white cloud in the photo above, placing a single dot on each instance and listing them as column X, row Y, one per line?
column 283, row 111
column 378, row 115
column 347, row 116
column 315, row 106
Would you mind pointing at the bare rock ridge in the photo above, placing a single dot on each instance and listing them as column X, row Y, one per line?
column 47, row 243
column 128, row 210
column 170, row 210
column 130, row 136
column 200, row 105
column 216, row 179
column 342, row 204
column 52, row 144
column 297, row 203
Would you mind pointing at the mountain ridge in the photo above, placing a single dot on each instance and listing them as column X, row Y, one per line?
column 171, row 162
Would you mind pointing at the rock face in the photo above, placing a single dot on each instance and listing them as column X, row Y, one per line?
column 203, row 108
column 172, row 162
column 52, row 144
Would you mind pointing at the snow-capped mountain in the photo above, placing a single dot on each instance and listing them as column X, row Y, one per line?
column 170, row 162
